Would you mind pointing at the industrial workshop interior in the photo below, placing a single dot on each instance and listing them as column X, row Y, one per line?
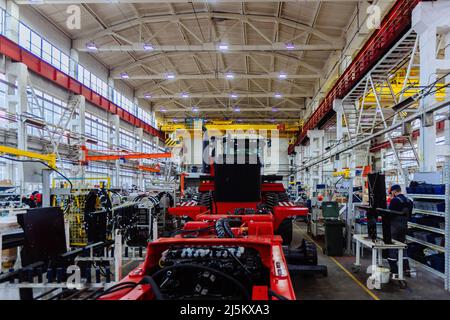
column 251, row 150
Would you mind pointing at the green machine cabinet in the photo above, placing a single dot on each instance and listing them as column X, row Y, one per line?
column 334, row 237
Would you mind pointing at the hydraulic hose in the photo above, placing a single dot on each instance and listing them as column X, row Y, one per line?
column 201, row 267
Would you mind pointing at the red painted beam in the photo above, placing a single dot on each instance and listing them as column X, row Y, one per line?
column 46, row 70
column 394, row 25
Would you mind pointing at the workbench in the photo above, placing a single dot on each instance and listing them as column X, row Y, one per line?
column 377, row 247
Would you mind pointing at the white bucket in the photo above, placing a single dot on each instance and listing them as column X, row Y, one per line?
column 384, row 274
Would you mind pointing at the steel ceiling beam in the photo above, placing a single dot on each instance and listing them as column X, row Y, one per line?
column 223, row 95
column 156, row 1
column 235, row 76
column 231, row 110
column 79, row 42
column 289, row 58
column 212, row 47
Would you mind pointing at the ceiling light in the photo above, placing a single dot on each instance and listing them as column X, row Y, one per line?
column 282, row 75
column 234, row 96
column 170, row 76
column 147, row 95
column 290, row 46
column 195, row 109
column 274, row 109
column 124, row 75
column 237, row 109
column 229, row 75
column 278, row 95
column 175, row 120
column 185, row 95
column 148, row 47
column 162, row 110
column 91, row 46
column 223, row 46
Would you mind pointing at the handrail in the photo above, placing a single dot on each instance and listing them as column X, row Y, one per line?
column 393, row 26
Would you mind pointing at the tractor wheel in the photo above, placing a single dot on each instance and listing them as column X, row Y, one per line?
column 285, row 231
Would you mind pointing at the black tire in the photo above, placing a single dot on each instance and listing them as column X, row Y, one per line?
column 285, row 231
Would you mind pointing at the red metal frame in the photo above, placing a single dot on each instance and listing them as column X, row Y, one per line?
column 123, row 155
column 46, row 70
column 261, row 239
column 155, row 168
column 255, row 231
column 393, row 26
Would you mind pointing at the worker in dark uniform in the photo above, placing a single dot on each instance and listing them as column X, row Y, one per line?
column 399, row 226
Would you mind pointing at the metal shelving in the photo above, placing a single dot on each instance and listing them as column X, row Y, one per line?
column 429, row 269
column 444, row 232
column 426, row 243
column 427, row 196
column 428, row 212
column 427, row 228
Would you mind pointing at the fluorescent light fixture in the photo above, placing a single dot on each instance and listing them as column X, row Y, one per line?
column 185, row 95
column 124, row 75
column 223, row 46
column 162, row 110
column 170, row 76
column 234, row 96
column 277, row 95
column 274, row 109
column 147, row 95
column 148, row 47
column 91, row 46
column 290, row 46
column 282, row 75
column 237, row 109
column 195, row 109
column 229, row 75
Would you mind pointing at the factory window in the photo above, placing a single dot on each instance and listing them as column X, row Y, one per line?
column 33, row 42
column 93, row 83
column 104, row 86
column 46, row 51
column 127, row 140
column 24, row 37
column 80, row 71
column 97, row 129
column 65, row 63
column 2, row 22
column 86, row 77
column 36, row 43
column 95, row 171
column 117, row 97
column 56, row 58
column 126, row 178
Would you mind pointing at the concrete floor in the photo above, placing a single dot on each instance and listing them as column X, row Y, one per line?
column 339, row 285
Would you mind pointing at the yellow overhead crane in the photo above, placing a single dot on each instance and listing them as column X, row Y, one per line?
column 396, row 85
column 285, row 130
column 50, row 159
